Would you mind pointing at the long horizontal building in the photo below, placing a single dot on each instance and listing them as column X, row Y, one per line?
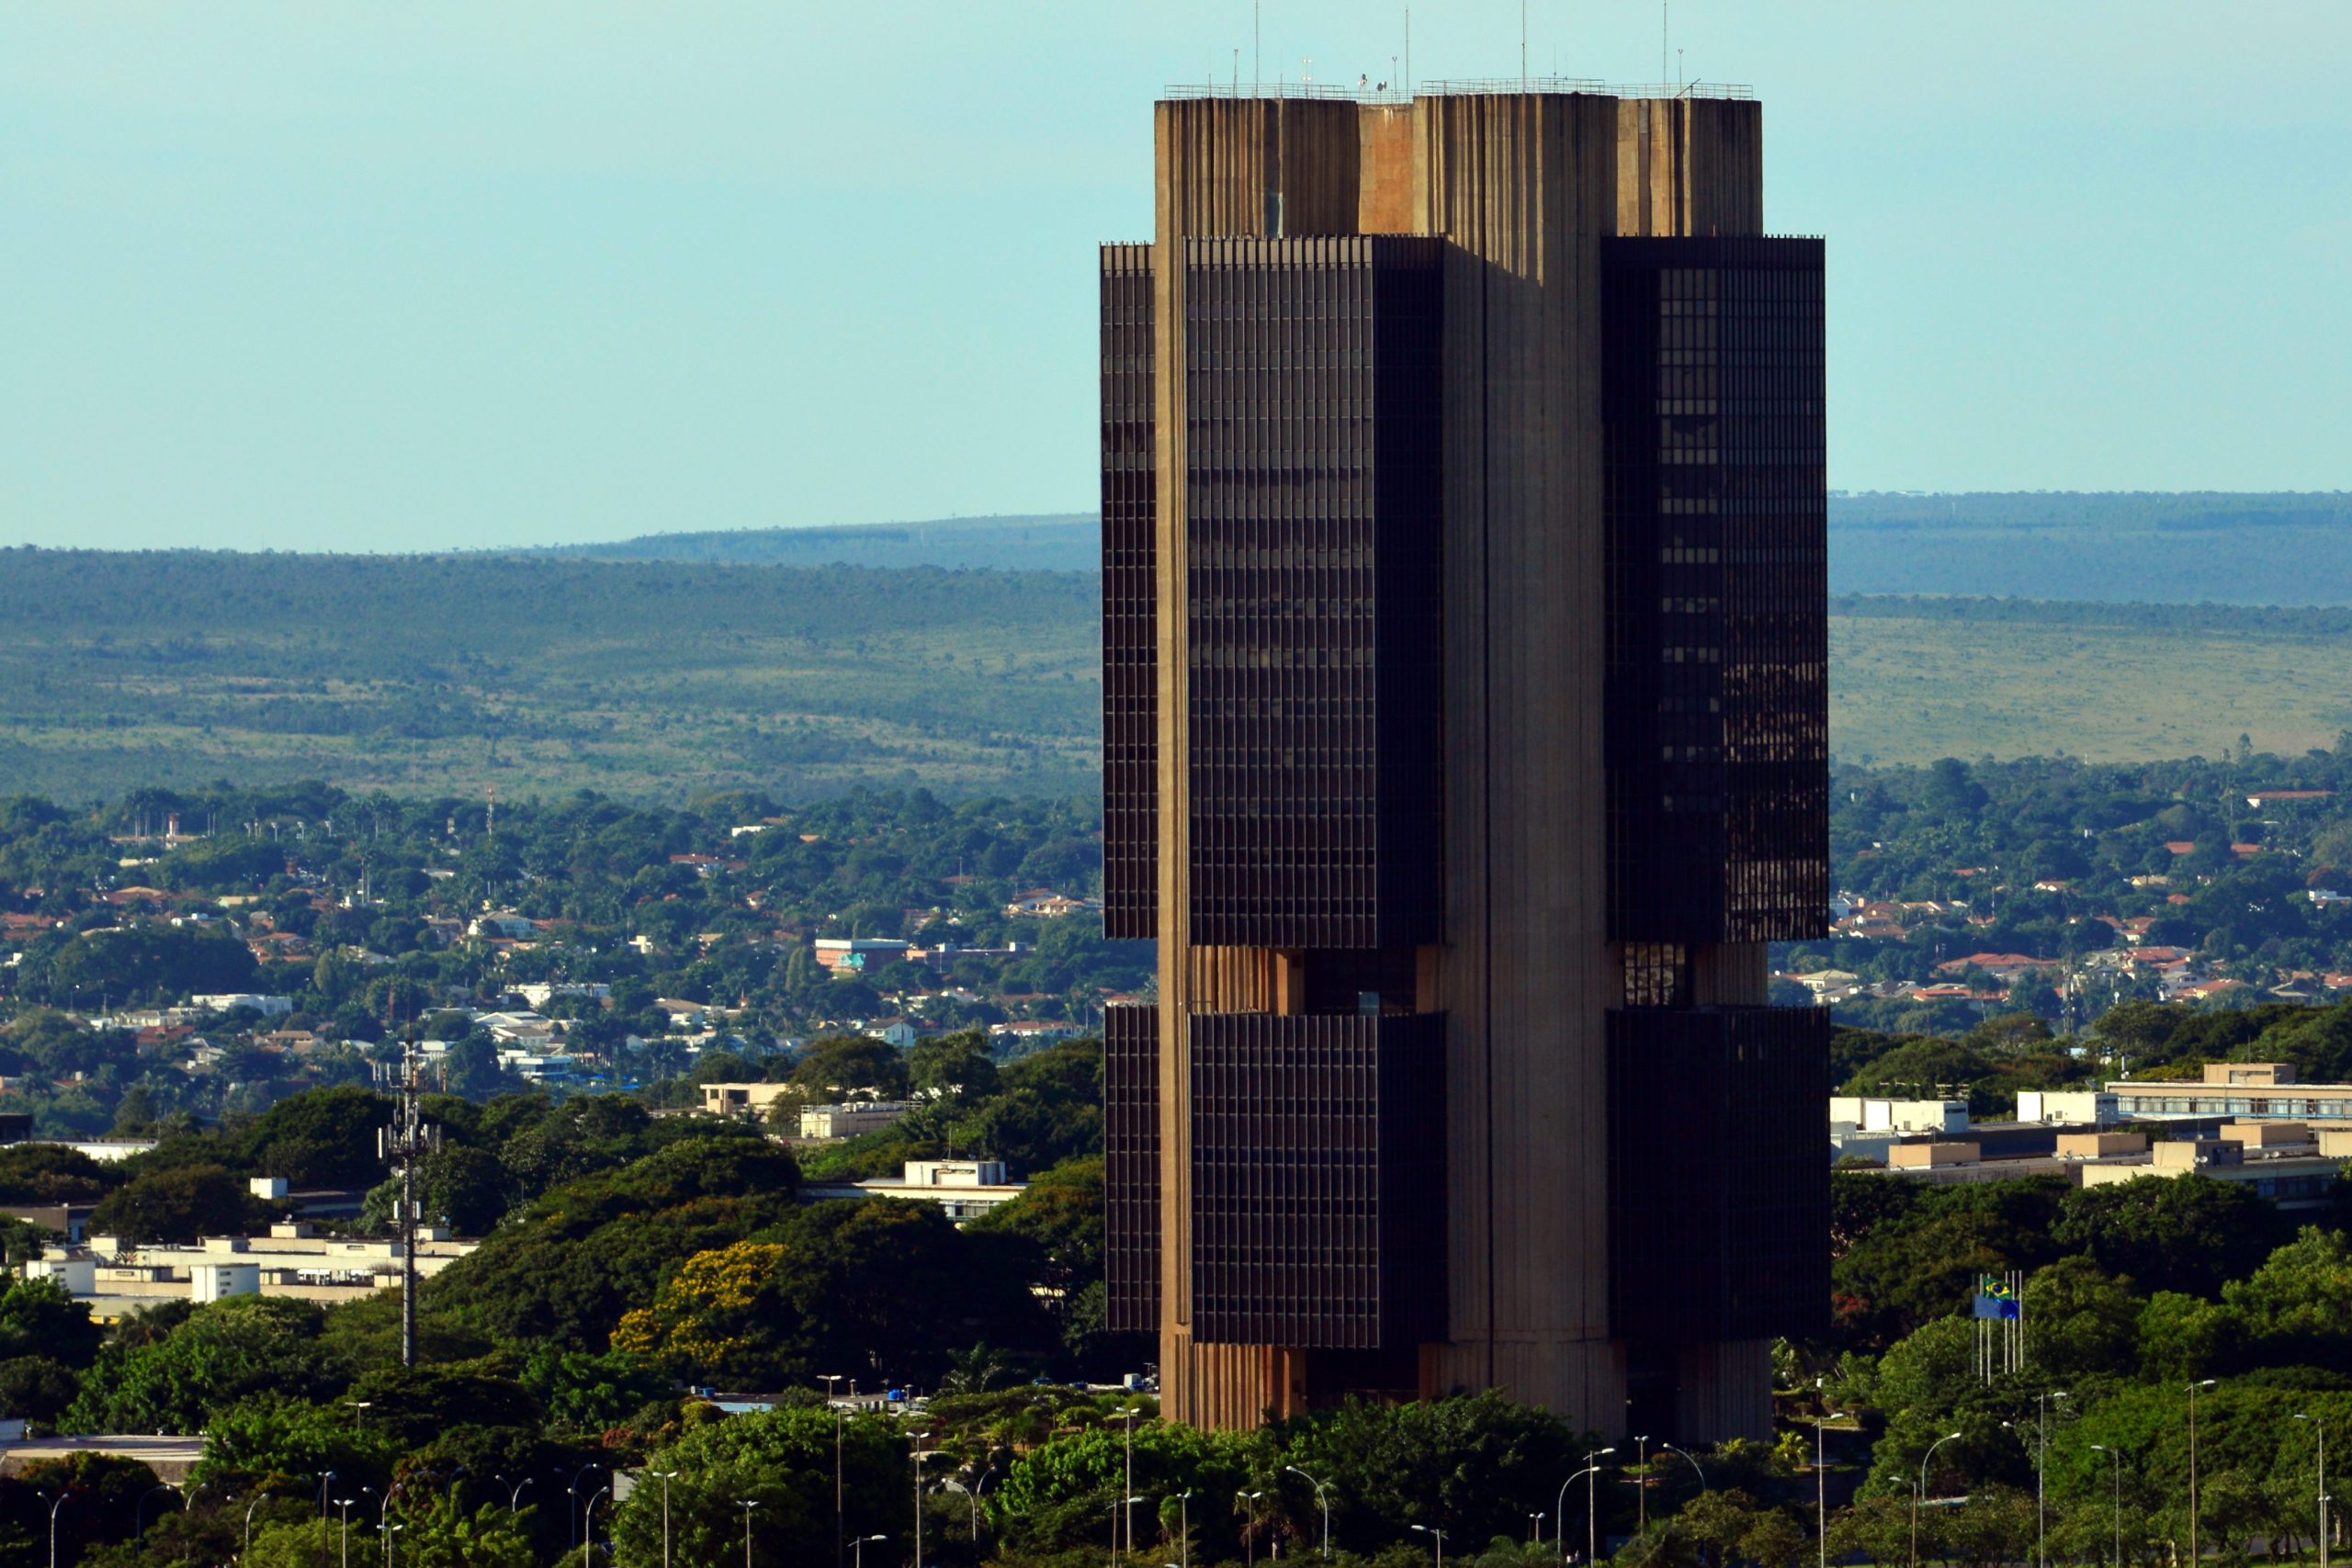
column 1465, row 742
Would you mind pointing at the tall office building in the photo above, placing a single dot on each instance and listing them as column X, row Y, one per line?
column 1465, row 713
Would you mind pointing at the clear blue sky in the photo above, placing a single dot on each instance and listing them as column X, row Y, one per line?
column 418, row 275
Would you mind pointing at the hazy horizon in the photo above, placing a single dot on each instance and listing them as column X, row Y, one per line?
column 447, row 278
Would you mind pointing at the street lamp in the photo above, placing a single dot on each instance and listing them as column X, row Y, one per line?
column 918, row 1437
column 2207, row 1383
column 1535, row 1530
column 1128, row 1415
column 1119, row 1511
column 1560, row 1506
column 2116, row 1455
column 53, row 1523
column 2321, row 1428
column 829, row 1380
column 1642, row 1485
column 1439, row 1537
column 571, row 1518
column 1184, row 1528
column 1919, row 1493
column 860, row 1544
column 1249, row 1530
column 1321, row 1496
column 2040, row 1460
column 389, row 1531
column 139, row 1530
column 665, row 1476
column 515, row 1498
column 344, row 1504
column 587, row 1526
column 1694, row 1464
column 747, row 1505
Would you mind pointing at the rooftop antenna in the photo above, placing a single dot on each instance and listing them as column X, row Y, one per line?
column 1663, row 6
column 1257, row 50
column 1408, row 51
column 1522, row 45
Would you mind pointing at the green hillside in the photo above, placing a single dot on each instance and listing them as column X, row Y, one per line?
column 458, row 672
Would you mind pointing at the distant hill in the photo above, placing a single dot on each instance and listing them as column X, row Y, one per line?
column 2287, row 548
column 2216, row 547
column 1051, row 542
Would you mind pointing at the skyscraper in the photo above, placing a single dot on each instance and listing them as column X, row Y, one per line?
column 1466, row 740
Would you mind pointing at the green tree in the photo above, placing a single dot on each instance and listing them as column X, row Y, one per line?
column 181, row 1203
column 781, row 1461
column 40, row 1318
column 221, row 1354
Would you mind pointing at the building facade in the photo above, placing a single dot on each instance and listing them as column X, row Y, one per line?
column 1466, row 740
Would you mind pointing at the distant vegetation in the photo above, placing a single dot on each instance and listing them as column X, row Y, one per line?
column 2214, row 548
column 430, row 674
column 1058, row 542
column 804, row 662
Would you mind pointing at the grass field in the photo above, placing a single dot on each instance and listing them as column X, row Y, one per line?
column 2125, row 686
column 665, row 680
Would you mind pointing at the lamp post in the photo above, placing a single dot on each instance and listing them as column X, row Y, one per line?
column 53, row 1523
column 1439, row 1537
column 2116, row 1455
column 1248, row 1500
column 860, row 1544
column 1128, row 1415
column 387, row 1533
column 1184, row 1528
column 829, row 1380
column 1321, row 1496
column 1642, row 1484
column 1535, row 1530
column 259, row 1498
column 571, row 1518
column 322, row 1517
column 2321, row 1428
column 666, row 1476
column 918, row 1437
column 345, row 1503
column 2206, row 1382
column 1560, row 1506
column 139, row 1518
column 2040, row 1461
column 1119, row 1511
column 1694, row 1464
column 587, row 1526
column 1919, row 1493
column 747, row 1505
column 515, row 1498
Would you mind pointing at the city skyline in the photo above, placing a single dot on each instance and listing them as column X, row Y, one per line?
column 459, row 278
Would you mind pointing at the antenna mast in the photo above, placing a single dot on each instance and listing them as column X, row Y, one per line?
column 401, row 1145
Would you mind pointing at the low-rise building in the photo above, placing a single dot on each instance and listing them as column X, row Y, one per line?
column 2254, row 1090
column 965, row 1188
column 743, row 1099
column 852, row 1117
column 118, row 1276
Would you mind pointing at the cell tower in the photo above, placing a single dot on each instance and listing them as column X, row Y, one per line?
column 401, row 1145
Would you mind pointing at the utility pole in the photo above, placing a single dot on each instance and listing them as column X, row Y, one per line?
column 401, row 1145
